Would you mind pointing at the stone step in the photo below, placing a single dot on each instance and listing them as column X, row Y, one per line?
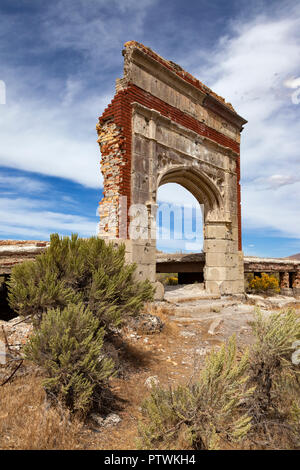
column 203, row 305
column 187, row 293
column 202, row 314
column 192, row 298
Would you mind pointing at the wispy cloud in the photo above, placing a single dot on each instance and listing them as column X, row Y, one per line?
column 275, row 182
column 292, row 83
column 48, row 123
column 35, row 218
column 250, row 67
column 22, row 184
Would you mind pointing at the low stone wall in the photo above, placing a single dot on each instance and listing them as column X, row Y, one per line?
column 13, row 252
column 288, row 270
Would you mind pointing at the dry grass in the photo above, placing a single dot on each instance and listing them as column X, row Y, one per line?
column 27, row 422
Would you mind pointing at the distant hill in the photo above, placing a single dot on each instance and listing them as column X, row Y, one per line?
column 294, row 256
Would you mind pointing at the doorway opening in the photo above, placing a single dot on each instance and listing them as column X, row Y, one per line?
column 179, row 230
column 6, row 313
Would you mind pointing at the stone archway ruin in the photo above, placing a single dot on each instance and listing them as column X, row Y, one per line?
column 163, row 125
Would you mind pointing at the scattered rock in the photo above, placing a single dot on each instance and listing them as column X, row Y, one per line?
column 147, row 324
column 159, row 291
column 152, row 381
column 187, row 334
column 202, row 351
column 110, row 420
column 216, row 309
column 214, row 325
column 276, row 301
column 17, row 332
column 134, row 336
column 172, row 362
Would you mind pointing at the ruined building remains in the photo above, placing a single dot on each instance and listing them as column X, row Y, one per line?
column 165, row 126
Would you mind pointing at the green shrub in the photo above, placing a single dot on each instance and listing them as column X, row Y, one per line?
column 256, row 397
column 68, row 347
column 73, row 270
column 203, row 414
column 275, row 403
column 35, row 286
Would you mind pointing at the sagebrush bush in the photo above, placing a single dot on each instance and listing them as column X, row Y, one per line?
column 256, row 397
column 200, row 415
column 275, row 403
column 264, row 284
column 76, row 270
column 68, row 347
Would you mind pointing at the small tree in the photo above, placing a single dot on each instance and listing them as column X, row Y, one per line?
column 76, row 270
column 68, row 347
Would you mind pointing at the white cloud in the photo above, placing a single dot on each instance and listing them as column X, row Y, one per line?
column 251, row 68
column 187, row 236
column 51, row 139
column 274, row 182
column 33, row 218
column 53, row 131
column 22, row 183
column 276, row 212
column 292, row 83
column 2, row 92
column 94, row 32
column 177, row 195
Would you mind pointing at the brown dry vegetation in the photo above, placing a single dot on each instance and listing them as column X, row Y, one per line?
column 28, row 422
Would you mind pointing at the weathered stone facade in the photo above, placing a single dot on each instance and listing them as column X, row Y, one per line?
column 164, row 126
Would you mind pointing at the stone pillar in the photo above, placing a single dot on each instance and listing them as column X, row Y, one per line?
column 284, row 280
column 285, row 284
column 296, row 283
column 224, row 264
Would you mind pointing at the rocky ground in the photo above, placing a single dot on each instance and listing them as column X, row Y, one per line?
column 167, row 347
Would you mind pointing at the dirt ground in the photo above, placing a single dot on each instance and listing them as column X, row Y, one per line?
column 192, row 327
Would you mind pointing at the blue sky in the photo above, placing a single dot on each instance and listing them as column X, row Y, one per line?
column 59, row 61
